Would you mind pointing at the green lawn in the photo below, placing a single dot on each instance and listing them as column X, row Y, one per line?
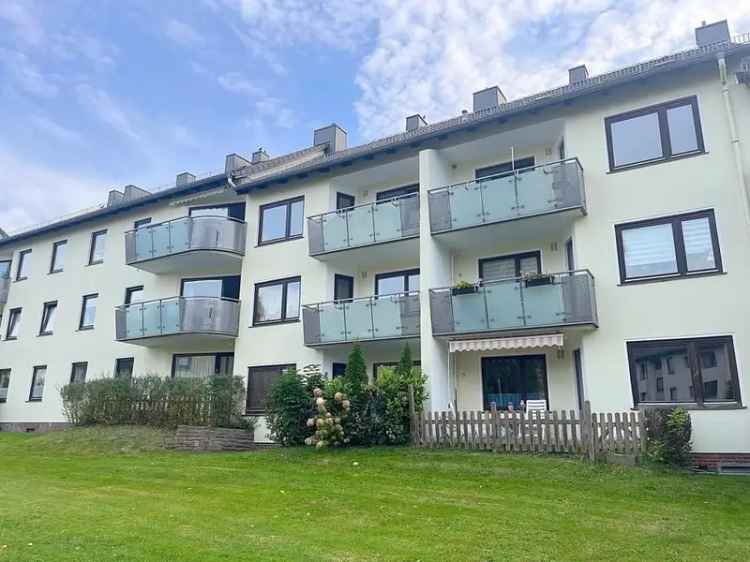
column 103, row 495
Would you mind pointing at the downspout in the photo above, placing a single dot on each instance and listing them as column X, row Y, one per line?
column 734, row 137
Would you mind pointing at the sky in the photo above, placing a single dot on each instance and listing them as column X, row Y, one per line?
column 98, row 95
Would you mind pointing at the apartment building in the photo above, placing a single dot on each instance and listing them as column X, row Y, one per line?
column 585, row 243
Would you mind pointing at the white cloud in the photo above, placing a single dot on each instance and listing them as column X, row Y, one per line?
column 73, row 44
column 55, row 130
column 237, row 83
column 27, row 76
column 26, row 26
column 183, row 33
column 107, row 109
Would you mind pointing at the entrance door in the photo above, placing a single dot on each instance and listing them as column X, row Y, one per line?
column 513, row 380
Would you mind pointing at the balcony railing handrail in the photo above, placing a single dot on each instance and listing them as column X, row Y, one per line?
column 177, row 297
column 482, row 283
column 190, row 217
column 370, row 204
column 507, row 174
column 360, row 299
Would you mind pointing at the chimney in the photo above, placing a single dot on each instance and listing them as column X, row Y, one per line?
column 578, row 74
column 717, row 32
column 332, row 135
column 234, row 162
column 3, row 234
column 115, row 198
column 414, row 122
column 184, row 178
column 133, row 192
column 488, row 98
column 260, row 155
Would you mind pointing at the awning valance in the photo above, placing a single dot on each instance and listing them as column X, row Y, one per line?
column 498, row 344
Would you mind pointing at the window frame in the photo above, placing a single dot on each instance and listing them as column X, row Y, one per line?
column 84, row 300
column 666, row 143
column 341, row 197
column 679, row 246
column 505, row 169
column 73, row 366
column 217, row 358
column 45, row 319
column 22, row 257
column 140, row 223
column 517, row 259
column 117, row 365
column 34, row 375
column 283, row 320
column 129, row 294
column 92, row 244
column 693, row 345
column 5, row 373
column 405, row 274
column 230, row 207
column 282, row 367
column 349, row 279
column 53, row 257
column 396, row 192
column 288, row 204
column 12, row 313
column 10, row 267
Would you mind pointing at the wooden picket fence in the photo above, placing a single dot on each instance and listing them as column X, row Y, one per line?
column 581, row 433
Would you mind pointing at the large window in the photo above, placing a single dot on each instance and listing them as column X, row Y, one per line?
column 654, row 134
column 259, row 382
column 700, row 371
column 397, row 192
column 277, row 301
column 14, row 324
column 134, row 294
column 227, row 287
column 98, row 243
column 505, row 267
column 4, row 384
column 37, row 383
column 203, row 365
column 48, row 318
column 4, row 269
column 88, row 312
column 124, row 368
column 512, row 381
column 506, row 168
column 57, row 263
column 397, row 282
column 668, row 247
column 234, row 210
column 281, row 221
column 78, row 372
column 23, row 267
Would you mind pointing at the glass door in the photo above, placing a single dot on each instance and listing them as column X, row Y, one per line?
column 512, row 381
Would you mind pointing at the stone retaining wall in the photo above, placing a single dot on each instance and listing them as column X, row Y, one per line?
column 194, row 438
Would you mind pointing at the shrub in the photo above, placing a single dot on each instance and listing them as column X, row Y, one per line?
column 329, row 421
column 288, row 408
column 669, row 432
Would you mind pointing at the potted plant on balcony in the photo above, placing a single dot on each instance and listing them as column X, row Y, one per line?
column 538, row 279
column 463, row 287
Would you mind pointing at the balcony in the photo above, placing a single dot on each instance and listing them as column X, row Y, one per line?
column 391, row 223
column 521, row 305
column 386, row 317
column 535, row 202
column 186, row 321
column 193, row 245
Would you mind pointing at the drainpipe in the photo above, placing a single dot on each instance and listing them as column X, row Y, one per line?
column 734, row 137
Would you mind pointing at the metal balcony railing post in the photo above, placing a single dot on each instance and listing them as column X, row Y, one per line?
column 372, row 316
column 372, row 214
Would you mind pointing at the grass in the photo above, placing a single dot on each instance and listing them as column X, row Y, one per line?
column 103, row 494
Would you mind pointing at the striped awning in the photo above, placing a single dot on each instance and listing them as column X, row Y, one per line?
column 498, row 344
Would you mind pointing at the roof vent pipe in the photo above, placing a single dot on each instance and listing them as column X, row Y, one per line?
column 578, row 74
column 488, row 98
column 332, row 135
column 414, row 122
column 708, row 34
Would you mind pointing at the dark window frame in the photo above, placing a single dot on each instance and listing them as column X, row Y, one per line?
column 347, row 278
column 692, row 345
column 578, row 370
column 45, row 311
column 666, row 144
column 524, row 357
column 335, row 366
column 287, row 236
column 53, row 258
column 283, row 320
column 10, row 268
column 141, row 223
column 129, row 293
column 73, row 370
column 679, row 246
column 282, row 367
column 92, row 245
column 405, row 273
column 5, row 373
column 212, row 278
column 217, row 358
column 22, row 263
column 394, row 192
column 350, row 200
column 84, row 300
column 12, row 313
column 228, row 206
column 517, row 258
column 35, row 372
column 117, row 366
column 503, row 169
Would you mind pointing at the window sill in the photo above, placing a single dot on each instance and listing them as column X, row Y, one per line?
column 19, row 279
column 670, row 278
column 39, row 335
column 11, row 338
column 274, row 323
column 95, row 263
column 31, row 400
column 691, row 406
column 84, row 328
column 52, row 272
column 637, row 165
column 272, row 242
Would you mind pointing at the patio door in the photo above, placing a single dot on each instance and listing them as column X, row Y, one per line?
column 513, row 379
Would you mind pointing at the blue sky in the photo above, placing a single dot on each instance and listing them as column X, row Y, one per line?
column 96, row 95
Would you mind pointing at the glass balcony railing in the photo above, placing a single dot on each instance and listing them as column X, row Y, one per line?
column 184, row 235
column 526, row 192
column 371, row 318
column 177, row 315
column 372, row 223
column 548, row 300
column 4, row 289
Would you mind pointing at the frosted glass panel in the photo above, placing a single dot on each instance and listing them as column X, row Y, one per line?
column 649, row 251
column 699, row 249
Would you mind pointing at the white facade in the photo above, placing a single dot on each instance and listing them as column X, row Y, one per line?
column 680, row 307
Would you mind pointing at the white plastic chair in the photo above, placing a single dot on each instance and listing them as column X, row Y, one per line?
column 536, row 406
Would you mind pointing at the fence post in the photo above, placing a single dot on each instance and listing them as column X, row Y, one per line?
column 412, row 417
column 493, row 425
column 587, row 429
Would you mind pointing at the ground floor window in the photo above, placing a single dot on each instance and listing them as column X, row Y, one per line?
column 78, row 372
column 37, row 383
column 203, row 365
column 698, row 371
column 511, row 381
column 4, row 384
column 259, row 382
column 124, row 368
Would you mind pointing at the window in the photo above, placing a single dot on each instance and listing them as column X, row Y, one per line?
column 338, row 370
column 513, row 380
column 124, row 368
column 37, row 383
column 48, row 318
column 677, row 246
column 203, row 365
column 140, row 223
column 569, row 256
column 4, row 384
column 234, row 210
column 508, row 267
column 88, row 312
column 226, row 287
column 78, row 373
column 344, row 201
column 58, row 256
column 670, row 366
column 98, row 242
column 696, row 383
column 277, row 301
column 4, row 269
column 14, row 324
column 281, row 221
column 505, row 169
column 397, row 192
column 343, row 287
column 578, row 366
column 654, row 134
column 22, row 269
column 259, row 382
column 134, row 294
column 397, row 282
